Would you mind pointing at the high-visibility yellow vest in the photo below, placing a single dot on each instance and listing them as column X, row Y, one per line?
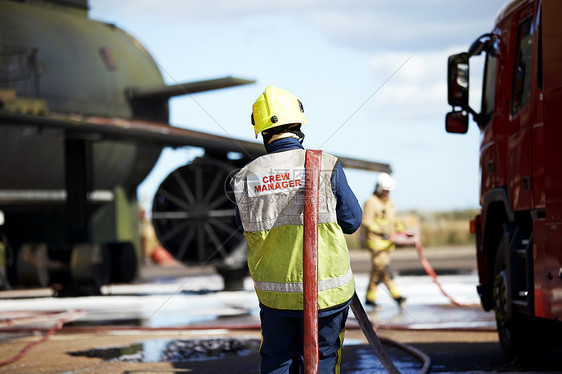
column 269, row 194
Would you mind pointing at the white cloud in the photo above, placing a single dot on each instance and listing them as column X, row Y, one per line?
column 189, row 10
column 379, row 24
column 418, row 88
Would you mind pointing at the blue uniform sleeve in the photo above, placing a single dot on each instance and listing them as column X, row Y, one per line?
column 348, row 210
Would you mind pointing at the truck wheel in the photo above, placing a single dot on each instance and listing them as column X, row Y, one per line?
column 519, row 338
column 505, row 322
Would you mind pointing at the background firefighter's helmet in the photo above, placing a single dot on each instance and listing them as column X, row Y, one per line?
column 276, row 107
column 385, row 183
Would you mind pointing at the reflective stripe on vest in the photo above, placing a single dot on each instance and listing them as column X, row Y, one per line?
column 323, row 285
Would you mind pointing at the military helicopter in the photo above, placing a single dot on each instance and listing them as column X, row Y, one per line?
column 83, row 119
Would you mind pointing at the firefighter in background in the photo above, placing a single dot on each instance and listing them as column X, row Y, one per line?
column 269, row 195
column 380, row 223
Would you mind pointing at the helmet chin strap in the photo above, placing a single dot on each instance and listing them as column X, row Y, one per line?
column 282, row 136
column 299, row 135
column 294, row 132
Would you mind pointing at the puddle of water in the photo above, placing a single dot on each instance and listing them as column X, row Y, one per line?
column 361, row 360
column 175, row 350
column 432, row 316
column 365, row 361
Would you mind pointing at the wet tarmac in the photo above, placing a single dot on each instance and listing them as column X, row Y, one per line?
column 197, row 302
column 180, row 351
column 185, row 322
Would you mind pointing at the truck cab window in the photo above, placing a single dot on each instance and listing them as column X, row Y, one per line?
column 489, row 84
column 522, row 71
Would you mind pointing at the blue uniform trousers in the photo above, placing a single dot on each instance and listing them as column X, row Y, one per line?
column 281, row 349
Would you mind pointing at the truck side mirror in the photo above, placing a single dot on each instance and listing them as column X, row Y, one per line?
column 456, row 122
column 458, row 80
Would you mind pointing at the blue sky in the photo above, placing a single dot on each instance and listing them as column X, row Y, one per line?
column 370, row 73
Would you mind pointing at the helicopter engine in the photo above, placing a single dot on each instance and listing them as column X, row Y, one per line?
column 194, row 218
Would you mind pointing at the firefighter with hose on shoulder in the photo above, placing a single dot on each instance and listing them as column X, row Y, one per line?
column 269, row 195
column 380, row 223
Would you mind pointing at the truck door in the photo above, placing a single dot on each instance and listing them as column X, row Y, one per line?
column 522, row 120
column 548, row 232
column 552, row 106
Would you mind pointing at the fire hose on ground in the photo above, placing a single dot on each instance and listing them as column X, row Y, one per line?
column 36, row 317
column 413, row 239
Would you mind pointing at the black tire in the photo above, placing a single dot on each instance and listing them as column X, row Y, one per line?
column 124, row 262
column 519, row 334
column 233, row 277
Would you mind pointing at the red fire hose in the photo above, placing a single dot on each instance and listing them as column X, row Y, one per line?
column 32, row 316
column 414, row 239
column 312, row 166
column 429, row 270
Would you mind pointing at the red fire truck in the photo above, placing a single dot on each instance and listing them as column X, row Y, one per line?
column 519, row 229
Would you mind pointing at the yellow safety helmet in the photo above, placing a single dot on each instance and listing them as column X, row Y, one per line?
column 276, row 107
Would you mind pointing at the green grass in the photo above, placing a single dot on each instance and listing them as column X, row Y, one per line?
column 436, row 229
